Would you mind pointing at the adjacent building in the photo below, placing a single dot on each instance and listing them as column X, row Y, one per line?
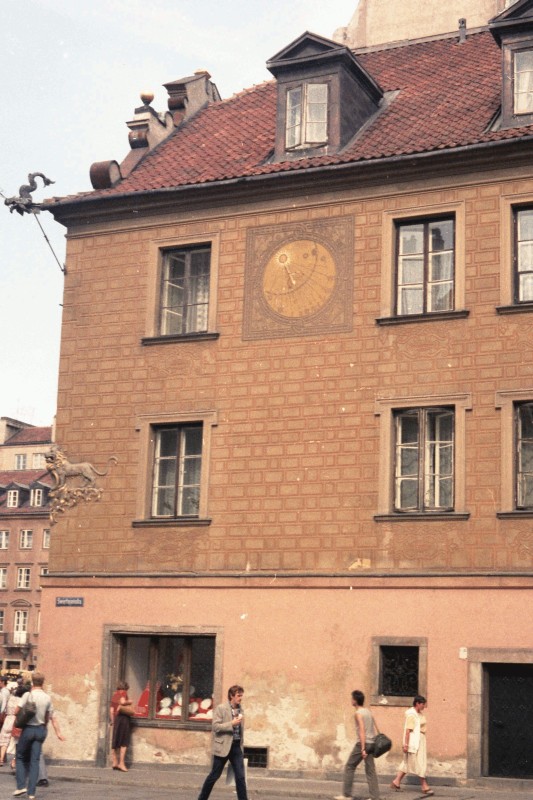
column 24, row 539
column 300, row 319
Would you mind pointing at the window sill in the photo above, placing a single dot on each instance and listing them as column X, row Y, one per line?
column 179, row 337
column 385, row 700
column 174, row 522
column 434, row 316
column 190, row 725
column 526, row 514
column 423, row 516
column 517, row 308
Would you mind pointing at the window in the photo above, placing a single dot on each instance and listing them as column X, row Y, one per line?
column 23, row 577
column 523, row 81
column 46, row 539
column 44, row 571
column 20, row 629
column 425, row 266
column 177, row 471
column 424, row 460
column 170, row 677
column 400, row 669
column 3, row 577
column 307, row 115
column 38, row 461
column 523, row 256
column 20, row 461
column 12, row 498
column 4, row 540
column 26, row 540
column 524, row 456
column 422, row 456
column 2, row 617
column 36, row 497
column 185, row 290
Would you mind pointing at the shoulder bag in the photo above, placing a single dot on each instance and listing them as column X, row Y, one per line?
column 126, row 709
column 382, row 743
column 26, row 713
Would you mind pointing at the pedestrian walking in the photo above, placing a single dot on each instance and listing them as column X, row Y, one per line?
column 32, row 737
column 228, row 742
column 414, row 761
column 365, row 733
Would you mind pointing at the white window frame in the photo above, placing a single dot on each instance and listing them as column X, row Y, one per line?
column 412, row 212
column 36, row 497
column 20, row 626
column 23, row 577
column 528, row 94
column 2, row 619
column 12, row 498
column 303, row 138
column 3, row 577
column 4, row 540
column 38, row 461
column 26, row 539
column 384, row 409
column 157, row 251
column 21, row 461
column 147, row 425
column 46, row 539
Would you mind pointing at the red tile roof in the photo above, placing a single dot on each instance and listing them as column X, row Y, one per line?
column 448, row 95
column 23, row 478
column 31, row 435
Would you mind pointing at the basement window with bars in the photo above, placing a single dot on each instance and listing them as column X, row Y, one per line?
column 171, row 678
column 257, row 757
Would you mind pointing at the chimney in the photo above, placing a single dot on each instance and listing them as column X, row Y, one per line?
column 187, row 96
column 462, row 30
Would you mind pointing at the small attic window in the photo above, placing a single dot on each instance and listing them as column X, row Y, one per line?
column 523, row 82
column 307, row 115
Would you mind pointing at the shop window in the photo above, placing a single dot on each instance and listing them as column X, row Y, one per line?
column 400, row 667
column 171, row 678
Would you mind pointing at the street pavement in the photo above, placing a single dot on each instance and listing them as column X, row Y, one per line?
column 181, row 783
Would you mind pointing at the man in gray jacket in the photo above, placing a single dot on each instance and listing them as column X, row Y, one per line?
column 228, row 738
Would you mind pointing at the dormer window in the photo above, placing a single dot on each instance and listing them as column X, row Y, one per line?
column 523, row 82
column 307, row 115
column 324, row 97
column 36, row 497
column 12, row 498
column 513, row 30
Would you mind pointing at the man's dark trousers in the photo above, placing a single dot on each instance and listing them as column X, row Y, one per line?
column 236, row 760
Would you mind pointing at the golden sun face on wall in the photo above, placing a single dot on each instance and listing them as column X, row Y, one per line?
column 299, row 278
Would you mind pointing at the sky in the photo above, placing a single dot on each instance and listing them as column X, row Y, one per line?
column 73, row 71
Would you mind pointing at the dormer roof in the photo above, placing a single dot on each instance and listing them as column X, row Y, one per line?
column 515, row 19
column 311, row 51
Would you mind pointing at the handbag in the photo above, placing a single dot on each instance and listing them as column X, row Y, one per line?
column 26, row 713
column 127, row 710
column 382, row 744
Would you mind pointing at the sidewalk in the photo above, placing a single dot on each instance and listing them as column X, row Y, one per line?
column 263, row 782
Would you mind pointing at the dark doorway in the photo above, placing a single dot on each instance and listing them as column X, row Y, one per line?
column 509, row 720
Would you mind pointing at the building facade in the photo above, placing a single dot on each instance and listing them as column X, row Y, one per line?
column 299, row 320
column 24, row 540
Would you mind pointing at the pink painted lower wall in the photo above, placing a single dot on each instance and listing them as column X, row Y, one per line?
column 298, row 653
